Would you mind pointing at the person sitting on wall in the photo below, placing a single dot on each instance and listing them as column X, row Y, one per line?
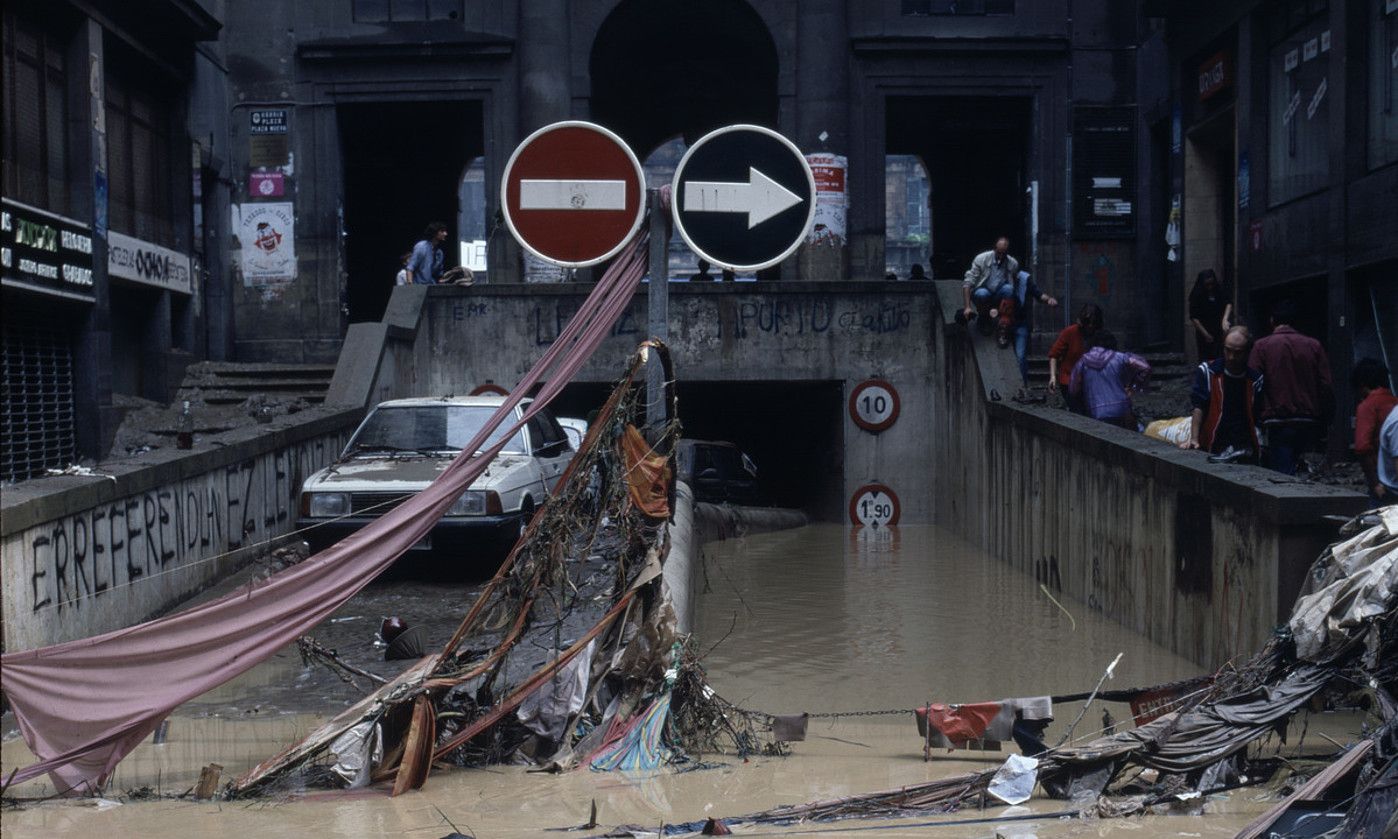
column 988, row 289
column 1226, row 395
column 1376, row 402
column 1296, row 381
column 1068, row 347
column 427, row 261
column 1104, row 379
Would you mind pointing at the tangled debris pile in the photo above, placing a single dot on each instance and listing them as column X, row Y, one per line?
column 569, row 656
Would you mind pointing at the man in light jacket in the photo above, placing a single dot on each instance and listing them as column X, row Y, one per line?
column 988, row 289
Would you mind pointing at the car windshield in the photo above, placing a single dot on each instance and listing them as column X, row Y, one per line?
column 429, row 428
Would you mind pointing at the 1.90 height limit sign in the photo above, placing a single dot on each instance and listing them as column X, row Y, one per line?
column 874, row 505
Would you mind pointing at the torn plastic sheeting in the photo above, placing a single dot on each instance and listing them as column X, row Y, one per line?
column 1322, row 620
column 547, row 710
column 790, row 728
column 1014, row 783
column 356, row 752
column 647, row 474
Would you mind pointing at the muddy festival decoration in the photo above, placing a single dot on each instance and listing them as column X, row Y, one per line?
column 569, row 657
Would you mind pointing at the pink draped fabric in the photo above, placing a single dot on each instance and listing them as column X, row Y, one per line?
column 84, row 705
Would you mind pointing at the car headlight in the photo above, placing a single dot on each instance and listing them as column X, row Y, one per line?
column 471, row 503
column 328, row 504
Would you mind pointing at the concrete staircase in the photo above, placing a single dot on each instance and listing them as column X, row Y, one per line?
column 231, row 383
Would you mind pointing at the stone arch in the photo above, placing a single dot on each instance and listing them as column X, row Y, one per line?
column 661, row 68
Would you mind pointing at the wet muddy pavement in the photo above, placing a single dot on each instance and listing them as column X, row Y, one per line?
column 813, row 620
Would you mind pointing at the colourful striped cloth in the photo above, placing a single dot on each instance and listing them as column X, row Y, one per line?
column 637, row 743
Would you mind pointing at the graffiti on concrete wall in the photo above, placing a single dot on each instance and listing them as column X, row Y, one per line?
column 72, row 562
column 751, row 316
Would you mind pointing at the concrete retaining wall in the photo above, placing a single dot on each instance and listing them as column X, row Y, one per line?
column 85, row 555
column 1202, row 558
column 448, row 340
column 697, row 524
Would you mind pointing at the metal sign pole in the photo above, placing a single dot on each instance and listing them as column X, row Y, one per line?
column 659, row 299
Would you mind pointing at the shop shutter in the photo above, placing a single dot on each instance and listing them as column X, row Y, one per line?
column 37, row 426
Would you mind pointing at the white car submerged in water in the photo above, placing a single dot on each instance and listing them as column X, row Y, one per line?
column 404, row 444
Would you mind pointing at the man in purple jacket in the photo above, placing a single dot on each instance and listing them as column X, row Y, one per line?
column 1104, row 378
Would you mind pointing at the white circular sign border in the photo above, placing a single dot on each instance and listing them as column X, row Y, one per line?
column 859, row 389
column 859, row 493
column 635, row 164
column 675, row 193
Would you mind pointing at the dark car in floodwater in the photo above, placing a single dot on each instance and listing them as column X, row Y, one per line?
column 718, row 472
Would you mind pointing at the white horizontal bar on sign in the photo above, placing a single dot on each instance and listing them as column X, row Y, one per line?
column 572, row 195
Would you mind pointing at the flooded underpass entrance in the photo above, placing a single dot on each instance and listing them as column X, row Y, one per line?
column 792, row 431
column 819, row 619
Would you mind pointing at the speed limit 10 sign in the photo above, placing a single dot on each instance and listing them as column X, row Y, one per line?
column 874, row 505
column 874, row 405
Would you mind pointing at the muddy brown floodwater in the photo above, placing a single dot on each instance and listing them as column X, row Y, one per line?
column 815, row 619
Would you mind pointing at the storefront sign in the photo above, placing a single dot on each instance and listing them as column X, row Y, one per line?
column 1215, row 75
column 41, row 251
column 267, row 236
column 131, row 259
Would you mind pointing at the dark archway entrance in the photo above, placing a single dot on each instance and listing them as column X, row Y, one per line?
column 403, row 163
column 976, row 151
column 662, row 68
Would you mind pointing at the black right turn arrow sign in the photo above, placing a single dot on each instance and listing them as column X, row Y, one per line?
column 744, row 197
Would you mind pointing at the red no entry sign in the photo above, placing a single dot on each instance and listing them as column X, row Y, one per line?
column 573, row 193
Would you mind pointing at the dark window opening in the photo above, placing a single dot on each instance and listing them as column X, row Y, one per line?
column 975, row 151
column 35, row 114
column 396, row 183
column 141, row 164
column 686, row 89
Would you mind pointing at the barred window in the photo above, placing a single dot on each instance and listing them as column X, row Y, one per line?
column 36, row 114
column 1383, row 84
column 1298, row 122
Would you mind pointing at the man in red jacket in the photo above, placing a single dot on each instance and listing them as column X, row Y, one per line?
column 1370, row 380
column 1299, row 397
